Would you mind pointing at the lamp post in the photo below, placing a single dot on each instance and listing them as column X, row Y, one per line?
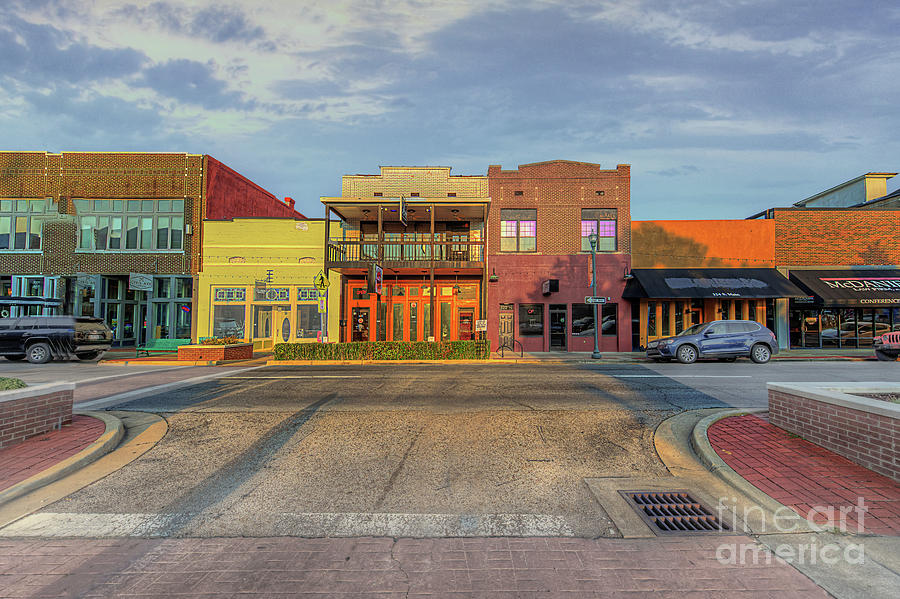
column 596, row 353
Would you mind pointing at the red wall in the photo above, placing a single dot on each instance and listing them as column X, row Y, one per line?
column 520, row 277
column 229, row 194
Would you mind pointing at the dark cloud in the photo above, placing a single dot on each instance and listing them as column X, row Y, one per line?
column 191, row 82
column 93, row 116
column 215, row 23
column 43, row 54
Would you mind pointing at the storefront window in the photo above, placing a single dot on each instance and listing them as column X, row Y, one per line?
column 679, row 317
column 161, row 318
column 34, row 287
column 309, row 321
column 531, row 319
column 665, row 319
column 182, row 321
column 582, row 320
column 651, row 319
column 445, row 321
column 262, row 322
column 184, row 287
column 413, row 321
column 87, row 300
column 228, row 321
column 161, row 287
column 608, row 326
column 397, row 322
column 865, row 327
column 427, row 333
column 381, row 322
column 830, row 328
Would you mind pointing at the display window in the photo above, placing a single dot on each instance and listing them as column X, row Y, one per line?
column 277, row 314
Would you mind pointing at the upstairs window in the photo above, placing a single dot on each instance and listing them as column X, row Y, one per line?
column 130, row 225
column 21, row 223
column 518, row 230
column 603, row 223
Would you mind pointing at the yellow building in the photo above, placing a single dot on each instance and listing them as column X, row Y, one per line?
column 256, row 282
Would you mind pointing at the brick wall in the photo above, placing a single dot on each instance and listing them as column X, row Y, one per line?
column 869, row 439
column 703, row 243
column 558, row 190
column 825, row 237
column 31, row 411
column 215, row 352
column 229, row 194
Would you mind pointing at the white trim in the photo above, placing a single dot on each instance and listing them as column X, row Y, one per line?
column 841, row 394
column 35, row 390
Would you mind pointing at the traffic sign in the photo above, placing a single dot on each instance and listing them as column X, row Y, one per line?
column 594, row 300
column 321, row 281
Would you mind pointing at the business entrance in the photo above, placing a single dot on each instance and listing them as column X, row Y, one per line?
column 407, row 310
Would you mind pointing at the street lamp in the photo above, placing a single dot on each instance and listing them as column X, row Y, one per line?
column 593, row 239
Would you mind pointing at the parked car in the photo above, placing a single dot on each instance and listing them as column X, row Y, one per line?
column 722, row 339
column 887, row 346
column 40, row 339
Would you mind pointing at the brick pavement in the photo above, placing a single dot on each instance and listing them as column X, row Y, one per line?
column 384, row 567
column 35, row 454
column 804, row 476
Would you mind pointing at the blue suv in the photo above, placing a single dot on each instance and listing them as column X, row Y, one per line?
column 722, row 339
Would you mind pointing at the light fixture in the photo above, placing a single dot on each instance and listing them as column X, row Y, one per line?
column 455, row 210
column 627, row 275
column 593, row 239
column 493, row 278
column 456, row 288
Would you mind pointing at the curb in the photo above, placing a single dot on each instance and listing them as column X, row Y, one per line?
column 709, row 458
column 108, row 441
column 139, row 362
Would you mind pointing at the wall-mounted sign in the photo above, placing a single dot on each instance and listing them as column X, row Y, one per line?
column 481, row 325
column 302, row 226
column 140, row 282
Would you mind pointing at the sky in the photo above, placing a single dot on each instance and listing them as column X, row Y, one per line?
column 722, row 108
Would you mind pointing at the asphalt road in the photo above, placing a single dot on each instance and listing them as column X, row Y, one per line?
column 409, row 450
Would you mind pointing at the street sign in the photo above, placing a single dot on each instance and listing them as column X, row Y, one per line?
column 481, row 325
column 594, row 300
column 375, row 280
column 321, row 281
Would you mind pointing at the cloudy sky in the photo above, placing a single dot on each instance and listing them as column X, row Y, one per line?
column 722, row 108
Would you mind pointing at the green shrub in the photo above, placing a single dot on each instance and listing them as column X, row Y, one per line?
column 221, row 341
column 7, row 384
column 385, row 350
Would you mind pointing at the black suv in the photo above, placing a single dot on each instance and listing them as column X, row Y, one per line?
column 42, row 338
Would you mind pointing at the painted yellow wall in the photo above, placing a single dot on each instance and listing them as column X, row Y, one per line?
column 239, row 252
column 427, row 181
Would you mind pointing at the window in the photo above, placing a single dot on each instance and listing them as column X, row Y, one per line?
column 608, row 320
column 228, row 321
column 531, row 319
column 138, row 225
column 582, row 320
column 451, row 194
column 603, row 223
column 518, row 230
column 21, row 223
column 377, row 194
column 309, row 321
column 414, row 194
column 600, row 192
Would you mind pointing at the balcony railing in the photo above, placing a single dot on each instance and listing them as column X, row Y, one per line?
column 418, row 250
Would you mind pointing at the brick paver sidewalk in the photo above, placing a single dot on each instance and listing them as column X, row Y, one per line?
column 804, row 476
column 384, row 567
column 38, row 453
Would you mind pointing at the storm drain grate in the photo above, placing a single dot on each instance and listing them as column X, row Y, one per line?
column 674, row 512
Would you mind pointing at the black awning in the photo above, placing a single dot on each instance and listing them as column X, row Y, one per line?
column 696, row 283
column 854, row 287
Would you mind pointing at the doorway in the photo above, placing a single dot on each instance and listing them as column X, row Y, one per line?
column 465, row 324
column 359, row 327
column 558, row 327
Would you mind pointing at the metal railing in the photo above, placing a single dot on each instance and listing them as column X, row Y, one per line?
column 413, row 250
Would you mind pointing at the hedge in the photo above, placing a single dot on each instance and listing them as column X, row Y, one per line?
column 385, row 350
column 7, row 384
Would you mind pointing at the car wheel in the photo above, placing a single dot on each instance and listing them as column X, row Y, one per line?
column 90, row 355
column 884, row 356
column 687, row 354
column 15, row 357
column 760, row 353
column 38, row 353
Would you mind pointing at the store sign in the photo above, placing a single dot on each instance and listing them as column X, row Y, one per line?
column 715, row 283
column 481, row 325
column 864, row 284
column 84, row 280
column 140, row 282
column 272, row 294
column 230, row 294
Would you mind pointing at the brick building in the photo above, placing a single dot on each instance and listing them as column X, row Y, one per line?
column 539, row 255
column 114, row 235
column 425, row 228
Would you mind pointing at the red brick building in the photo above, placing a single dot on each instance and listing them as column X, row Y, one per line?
column 539, row 255
column 114, row 235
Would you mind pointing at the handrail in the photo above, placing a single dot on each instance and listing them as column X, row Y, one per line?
column 419, row 250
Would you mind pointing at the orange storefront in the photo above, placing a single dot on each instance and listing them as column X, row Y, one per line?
column 410, row 310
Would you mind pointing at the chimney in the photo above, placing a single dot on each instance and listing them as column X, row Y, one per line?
column 289, row 202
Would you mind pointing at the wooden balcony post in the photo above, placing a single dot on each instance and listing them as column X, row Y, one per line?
column 432, row 237
column 380, row 236
column 327, row 236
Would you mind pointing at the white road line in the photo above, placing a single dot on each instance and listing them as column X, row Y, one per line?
column 351, row 524
column 128, row 374
column 105, row 402
column 682, row 376
column 306, row 376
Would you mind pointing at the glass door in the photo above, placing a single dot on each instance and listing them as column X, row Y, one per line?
column 558, row 327
column 466, row 318
column 360, row 325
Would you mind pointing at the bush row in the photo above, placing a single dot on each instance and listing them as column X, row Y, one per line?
column 385, row 350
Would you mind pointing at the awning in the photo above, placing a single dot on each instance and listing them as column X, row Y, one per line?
column 696, row 283
column 855, row 287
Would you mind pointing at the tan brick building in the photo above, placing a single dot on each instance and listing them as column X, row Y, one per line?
column 114, row 235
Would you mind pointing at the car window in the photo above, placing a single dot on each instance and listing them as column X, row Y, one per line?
column 716, row 329
column 734, row 327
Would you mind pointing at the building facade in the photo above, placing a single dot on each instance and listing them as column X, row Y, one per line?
column 114, row 235
column 539, row 256
column 257, row 282
column 425, row 229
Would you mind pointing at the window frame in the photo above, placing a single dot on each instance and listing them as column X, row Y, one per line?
column 595, row 216
column 519, row 216
column 11, row 212
column 97, row 218
column 523, row 333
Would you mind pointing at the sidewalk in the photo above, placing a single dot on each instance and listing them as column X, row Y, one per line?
column 36, row 454
column 384, row 568
column 806, row 477
column 641, row 357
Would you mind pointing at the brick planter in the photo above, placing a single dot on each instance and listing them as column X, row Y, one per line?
column 861, row 429
column 34, row 410
column 236, row 351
